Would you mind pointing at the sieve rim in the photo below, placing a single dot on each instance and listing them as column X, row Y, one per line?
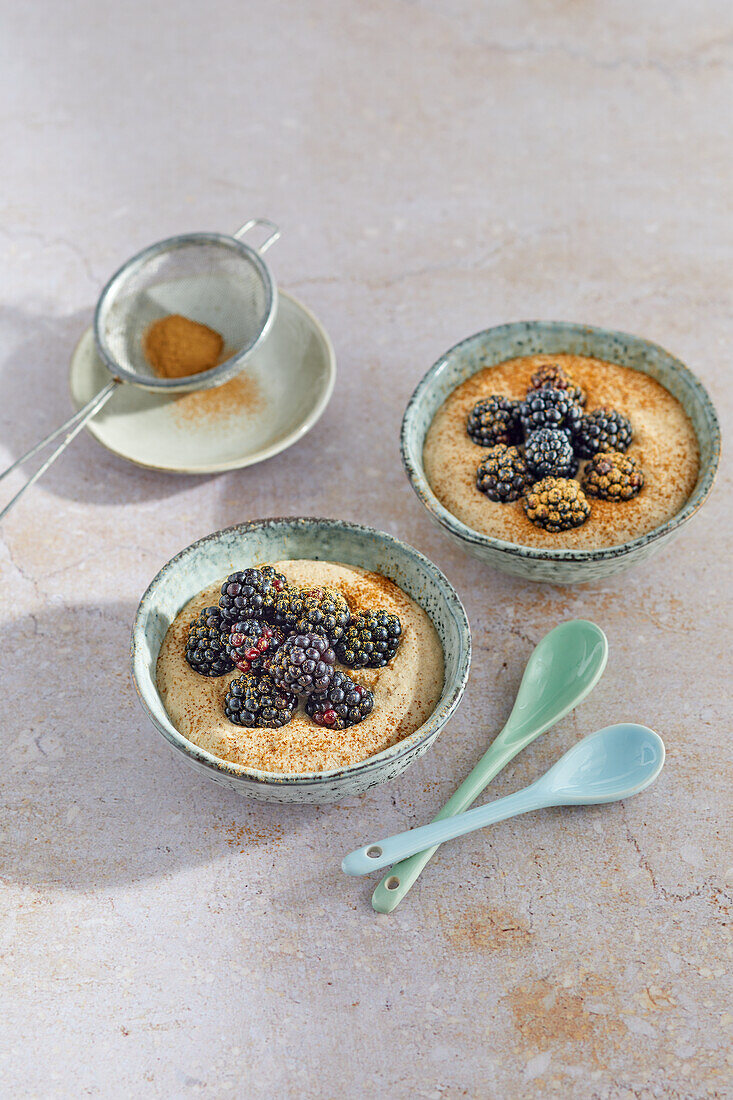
column 217, row 375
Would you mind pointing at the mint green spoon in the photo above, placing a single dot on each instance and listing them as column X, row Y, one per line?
column 605, row 766
column 565, row 665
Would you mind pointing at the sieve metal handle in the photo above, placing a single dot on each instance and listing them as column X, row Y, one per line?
column 274, row 234
column 72, row 427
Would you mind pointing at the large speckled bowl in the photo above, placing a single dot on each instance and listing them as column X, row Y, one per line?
column 496, row 345
column 277, row 540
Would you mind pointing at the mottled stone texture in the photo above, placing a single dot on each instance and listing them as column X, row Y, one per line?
column 436, row 168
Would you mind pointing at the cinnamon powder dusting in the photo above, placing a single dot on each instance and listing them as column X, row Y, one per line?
column 177, row 347
column 240, row 396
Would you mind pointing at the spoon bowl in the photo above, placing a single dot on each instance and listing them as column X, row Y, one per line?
column 610, row 764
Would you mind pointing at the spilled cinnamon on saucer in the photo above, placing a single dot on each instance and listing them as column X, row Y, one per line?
column 177, row 347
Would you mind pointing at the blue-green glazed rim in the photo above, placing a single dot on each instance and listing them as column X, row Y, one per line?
column 196, row 566
column 495, row 345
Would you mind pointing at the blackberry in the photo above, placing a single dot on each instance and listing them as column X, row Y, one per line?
column 344, row 704
column 612, row 475
column 205, row 651
column 282, row 612
column 370, row 641
column 303, row 664
column 257, row 701
column 494, row 420
column 552, row 374
column 603, row 429
column 251, row 644
column 550, row 408
column 323, row 610
column 502, row 475
column 549, row 453
column 250, row 594
column 556, row 504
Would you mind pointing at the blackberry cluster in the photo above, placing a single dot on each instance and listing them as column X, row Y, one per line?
column 304, row 663
column 285, row 642
column 494, row 420
column 323, row 610
column 556, row 433
column 603, row 430
column 552, row 374
column 556, row 504
column 257, row 701
column 345, row 703
column 612, row 475
column 205, row 649
column 250, row 594
column 550, row 408
column 370, row 641
column 549, row 453
column 503, row 474
column 251, row 644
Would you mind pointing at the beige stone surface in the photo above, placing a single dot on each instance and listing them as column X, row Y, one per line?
column 436, row 168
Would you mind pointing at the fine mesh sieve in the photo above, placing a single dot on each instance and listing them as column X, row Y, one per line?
column 211, row 278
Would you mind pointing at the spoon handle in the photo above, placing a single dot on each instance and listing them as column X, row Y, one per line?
column 372, row 857
column 393, row 887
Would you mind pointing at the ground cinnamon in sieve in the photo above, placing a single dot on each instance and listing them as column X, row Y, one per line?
column 177, row 347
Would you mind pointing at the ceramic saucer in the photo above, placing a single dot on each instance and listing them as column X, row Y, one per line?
column 271, row 404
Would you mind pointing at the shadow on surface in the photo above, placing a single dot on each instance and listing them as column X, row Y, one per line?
column 35, row 399
column 91, row 794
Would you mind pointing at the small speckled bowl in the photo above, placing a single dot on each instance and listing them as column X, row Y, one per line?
column 496, row 345
column 277, row 540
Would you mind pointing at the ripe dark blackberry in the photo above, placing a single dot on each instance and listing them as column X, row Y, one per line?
column 323, row 610
column 205, row 651
column 603, row 429
column 370, row 641
column 304, row 663
column 549, row 453
column 502, row 475
column 556, row 504
column 344, row 704
column 612, row 475
column 256, row 701
column 250, row 593
column 550, row 408
column 251, row 644
column 494, row 420
column 552, row 374
column 282, row 612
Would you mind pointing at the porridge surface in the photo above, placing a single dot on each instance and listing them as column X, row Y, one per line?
column 406, row 690
column 664, row 443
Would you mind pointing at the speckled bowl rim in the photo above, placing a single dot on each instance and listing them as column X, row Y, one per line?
column 419, row 482
column 435, row 723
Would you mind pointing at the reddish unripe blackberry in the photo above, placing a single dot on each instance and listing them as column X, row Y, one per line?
column 251, row 644
column 344, row 704
column 552, row 374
